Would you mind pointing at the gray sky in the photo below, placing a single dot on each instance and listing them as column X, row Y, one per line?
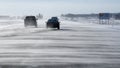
column 57, row 7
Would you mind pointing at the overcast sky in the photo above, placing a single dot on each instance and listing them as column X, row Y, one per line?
column 57, row 7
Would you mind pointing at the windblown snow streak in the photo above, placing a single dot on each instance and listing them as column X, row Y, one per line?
column 75, row 45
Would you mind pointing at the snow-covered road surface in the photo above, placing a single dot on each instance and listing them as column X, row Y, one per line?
column 75, row 43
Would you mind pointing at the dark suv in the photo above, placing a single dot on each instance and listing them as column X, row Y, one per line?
column 30, row 21
column 53, row 23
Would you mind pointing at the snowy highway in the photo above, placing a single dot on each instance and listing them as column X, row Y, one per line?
column 74, row 43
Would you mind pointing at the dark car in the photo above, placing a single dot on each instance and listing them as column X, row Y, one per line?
column 53, row 23
column 30, row 21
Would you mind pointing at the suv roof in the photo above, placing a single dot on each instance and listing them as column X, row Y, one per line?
column 54, row 18
column 31, row 17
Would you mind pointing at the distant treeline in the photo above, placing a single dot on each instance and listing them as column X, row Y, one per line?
column 38, row 16
column 74, row 16
column 79, row 15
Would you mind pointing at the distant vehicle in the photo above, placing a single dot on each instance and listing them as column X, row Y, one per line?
column 117, row 16
column 30, row 21
column 53, row 23
column 104, row 16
